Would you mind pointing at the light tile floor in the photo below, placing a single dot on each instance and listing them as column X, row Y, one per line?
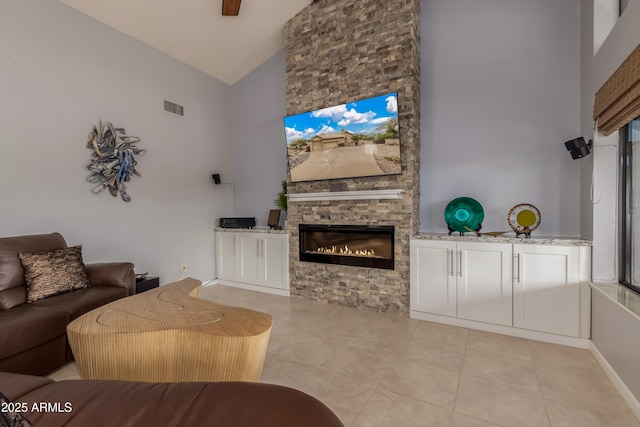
column 384, row 370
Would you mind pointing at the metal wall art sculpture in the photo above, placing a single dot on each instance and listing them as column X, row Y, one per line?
column 113, row 159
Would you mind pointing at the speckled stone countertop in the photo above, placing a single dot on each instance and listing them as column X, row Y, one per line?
column 507, row 238
column 251, row 230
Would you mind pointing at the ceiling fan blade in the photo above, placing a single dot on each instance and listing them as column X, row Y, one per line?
column 230, row 7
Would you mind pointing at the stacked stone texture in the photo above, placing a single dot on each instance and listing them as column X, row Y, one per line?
column 339, row 52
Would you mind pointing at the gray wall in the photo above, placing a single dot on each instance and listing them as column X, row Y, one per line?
column 498, row 99
column 61, row 71
column 500, row 95
column 259, row 147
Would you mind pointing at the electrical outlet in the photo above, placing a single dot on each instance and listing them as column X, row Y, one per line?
column 183, row 268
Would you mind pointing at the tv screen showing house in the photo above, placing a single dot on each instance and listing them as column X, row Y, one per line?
column 356, row 139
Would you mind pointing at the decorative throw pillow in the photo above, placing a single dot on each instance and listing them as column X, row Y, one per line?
column 54, row 272
column 9, row 416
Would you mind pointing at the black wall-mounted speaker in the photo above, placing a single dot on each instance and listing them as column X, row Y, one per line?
column 578, row 148
column 216, row 178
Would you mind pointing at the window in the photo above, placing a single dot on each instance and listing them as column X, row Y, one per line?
column 629, row 205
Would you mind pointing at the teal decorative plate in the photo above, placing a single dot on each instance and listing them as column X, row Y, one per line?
column 464, row 214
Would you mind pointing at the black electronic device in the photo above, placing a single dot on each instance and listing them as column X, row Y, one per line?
column 236, row 222
column 578, row 148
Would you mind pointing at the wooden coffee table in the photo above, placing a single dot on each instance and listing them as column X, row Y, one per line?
column 168, row 334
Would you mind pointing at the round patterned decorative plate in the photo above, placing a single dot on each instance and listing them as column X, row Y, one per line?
column 463, row 214
column 523, row 219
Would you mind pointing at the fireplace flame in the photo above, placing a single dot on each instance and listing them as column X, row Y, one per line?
column 334, row 250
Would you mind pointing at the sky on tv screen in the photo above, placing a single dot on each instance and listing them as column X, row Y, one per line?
column 362, row 116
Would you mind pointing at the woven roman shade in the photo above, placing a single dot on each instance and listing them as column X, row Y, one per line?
column 617, row 102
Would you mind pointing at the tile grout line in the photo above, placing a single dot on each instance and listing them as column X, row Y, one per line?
column 544, row 401
column 464, row 361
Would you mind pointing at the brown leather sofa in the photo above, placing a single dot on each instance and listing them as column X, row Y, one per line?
column 121, row 403
column 33, row 335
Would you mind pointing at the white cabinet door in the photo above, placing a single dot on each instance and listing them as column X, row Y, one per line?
column 263, row 260
column 226, row 255
column 547, row 289
column 484, row 282
column 250, row 259
column 433, row 284
column 466, row 280
column 275, row 249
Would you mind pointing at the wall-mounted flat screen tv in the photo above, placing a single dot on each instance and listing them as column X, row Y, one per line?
column 356, row 139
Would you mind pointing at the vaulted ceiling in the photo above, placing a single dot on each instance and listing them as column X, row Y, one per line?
column 195, row 32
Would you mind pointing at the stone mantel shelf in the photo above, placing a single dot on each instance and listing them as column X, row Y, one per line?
column 346, row 195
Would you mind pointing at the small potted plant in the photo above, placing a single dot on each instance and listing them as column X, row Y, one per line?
column 281, row 200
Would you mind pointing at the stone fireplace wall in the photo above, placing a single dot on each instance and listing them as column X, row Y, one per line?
column 338, row 52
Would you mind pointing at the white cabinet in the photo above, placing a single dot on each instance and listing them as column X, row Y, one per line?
column 433, row 284
column 275, row 260
column 524, row 289
column 226, row 255
column 253, row 260
column 546, row 289
column 263, row 259
column 466, row 280
column 250, row 259
column 484, row 282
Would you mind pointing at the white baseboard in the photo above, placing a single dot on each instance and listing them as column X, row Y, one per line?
column 504, row 330
column 250, row 287
column 211, row 282
column 624, row 391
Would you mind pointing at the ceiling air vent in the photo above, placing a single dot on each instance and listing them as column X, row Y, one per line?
column 173, row 108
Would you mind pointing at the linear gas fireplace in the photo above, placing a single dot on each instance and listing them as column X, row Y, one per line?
column 357, row 245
